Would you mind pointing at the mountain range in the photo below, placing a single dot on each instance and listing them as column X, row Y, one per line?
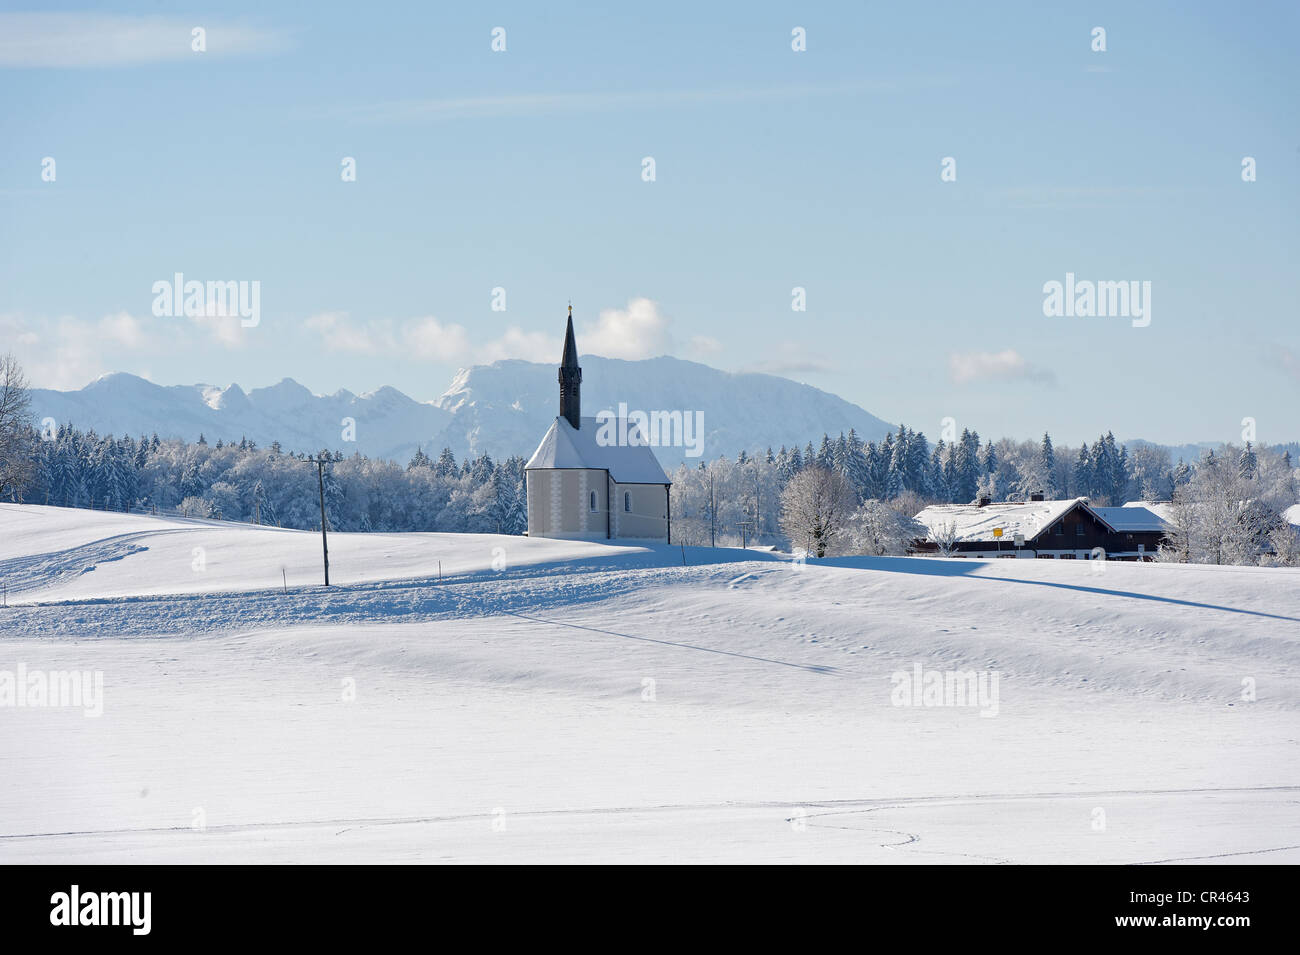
column 499, row 409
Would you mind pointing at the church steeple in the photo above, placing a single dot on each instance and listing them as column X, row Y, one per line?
column 570, row 379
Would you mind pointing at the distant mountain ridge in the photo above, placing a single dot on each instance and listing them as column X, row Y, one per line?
column 499, row 409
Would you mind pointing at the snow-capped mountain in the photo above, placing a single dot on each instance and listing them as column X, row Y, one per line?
column 501, row 409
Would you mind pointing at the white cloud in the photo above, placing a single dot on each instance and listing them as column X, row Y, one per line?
column 34, row 40
column 427, row 339
column 65, row 352
column 123, row 329
column 433, row 340
column 704, row 345
column 638, row 331
column 1007, row 365
column 55, row 353
column 339, row 333
column 517, row 343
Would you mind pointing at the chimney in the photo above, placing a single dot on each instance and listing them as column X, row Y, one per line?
column 1036, row 496
column 984, row 502
column 570, row 379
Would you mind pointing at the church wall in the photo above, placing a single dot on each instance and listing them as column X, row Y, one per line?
column 559, row 506
column 648, row 518
column 559, row 503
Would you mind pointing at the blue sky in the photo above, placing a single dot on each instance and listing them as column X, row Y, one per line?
column 774, row 169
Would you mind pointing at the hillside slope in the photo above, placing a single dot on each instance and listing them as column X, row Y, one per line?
column 579, row 702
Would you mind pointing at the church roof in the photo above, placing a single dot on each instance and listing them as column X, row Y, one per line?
column 570, row 357
column 568, row 447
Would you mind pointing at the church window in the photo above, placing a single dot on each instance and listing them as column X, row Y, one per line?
column 627, row 501
column 593, row 500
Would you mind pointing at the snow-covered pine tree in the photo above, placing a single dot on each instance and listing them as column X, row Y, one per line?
column 1083, row 472
column 967, row 466
column 1047, row 467
column 989, row 459
column 1247, row 462
column 938, row 478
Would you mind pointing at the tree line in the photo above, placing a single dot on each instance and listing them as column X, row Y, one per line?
column 842, row 496
column 847, row 496
column 241, row 482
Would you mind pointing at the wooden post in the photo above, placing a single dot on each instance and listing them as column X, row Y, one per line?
column 324, row 543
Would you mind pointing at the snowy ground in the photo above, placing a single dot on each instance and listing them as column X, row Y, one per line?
column 504, row 715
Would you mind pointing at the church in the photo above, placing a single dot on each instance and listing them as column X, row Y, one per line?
column 584, row 487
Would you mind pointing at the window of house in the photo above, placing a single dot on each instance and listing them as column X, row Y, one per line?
column 627, row 501
column 593, row 500
column 1079, row 529
column 1057, row 530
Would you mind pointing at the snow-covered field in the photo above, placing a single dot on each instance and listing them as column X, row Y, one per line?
column 558, row 701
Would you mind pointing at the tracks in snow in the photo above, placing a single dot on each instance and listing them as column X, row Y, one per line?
column 907, row 841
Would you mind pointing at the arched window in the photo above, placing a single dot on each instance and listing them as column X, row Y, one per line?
column 627, row 501
column 593, row 500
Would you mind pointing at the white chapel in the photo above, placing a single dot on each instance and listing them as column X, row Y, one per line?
column 581, row 487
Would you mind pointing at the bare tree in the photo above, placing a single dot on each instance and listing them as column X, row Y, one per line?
column 1285, row 544
column 909, row 503
column 815, row 507
column 15, row 433
column 945, row 535
column 877, row 529
column 1225, row 516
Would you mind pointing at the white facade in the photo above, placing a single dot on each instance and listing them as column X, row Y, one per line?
column 579, row 489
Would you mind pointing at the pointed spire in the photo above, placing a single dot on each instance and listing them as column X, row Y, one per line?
column 570, row 359
column 570, row 377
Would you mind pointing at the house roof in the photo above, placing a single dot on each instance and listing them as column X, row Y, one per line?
column 1031, row 518
column 976, row 523
column 565, row 446
column 1133, row 517
column 1163, row 511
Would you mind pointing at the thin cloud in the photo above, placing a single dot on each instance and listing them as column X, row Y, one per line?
column 82, row 40
column 794, row 360
column 704, row 345
column 638, row 331
column 1071, row 197
column 1009, row 365
column 1286, row 361
column 533, row 104
column 425, row 338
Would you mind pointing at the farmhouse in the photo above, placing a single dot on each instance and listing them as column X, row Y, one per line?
column 1065, row 530
column 588, row 482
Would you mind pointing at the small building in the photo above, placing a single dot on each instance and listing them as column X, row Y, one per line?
column 594, row 479
column 1066, row 530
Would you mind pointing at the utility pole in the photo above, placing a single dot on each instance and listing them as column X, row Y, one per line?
column 320, row 482
column 713, row 510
